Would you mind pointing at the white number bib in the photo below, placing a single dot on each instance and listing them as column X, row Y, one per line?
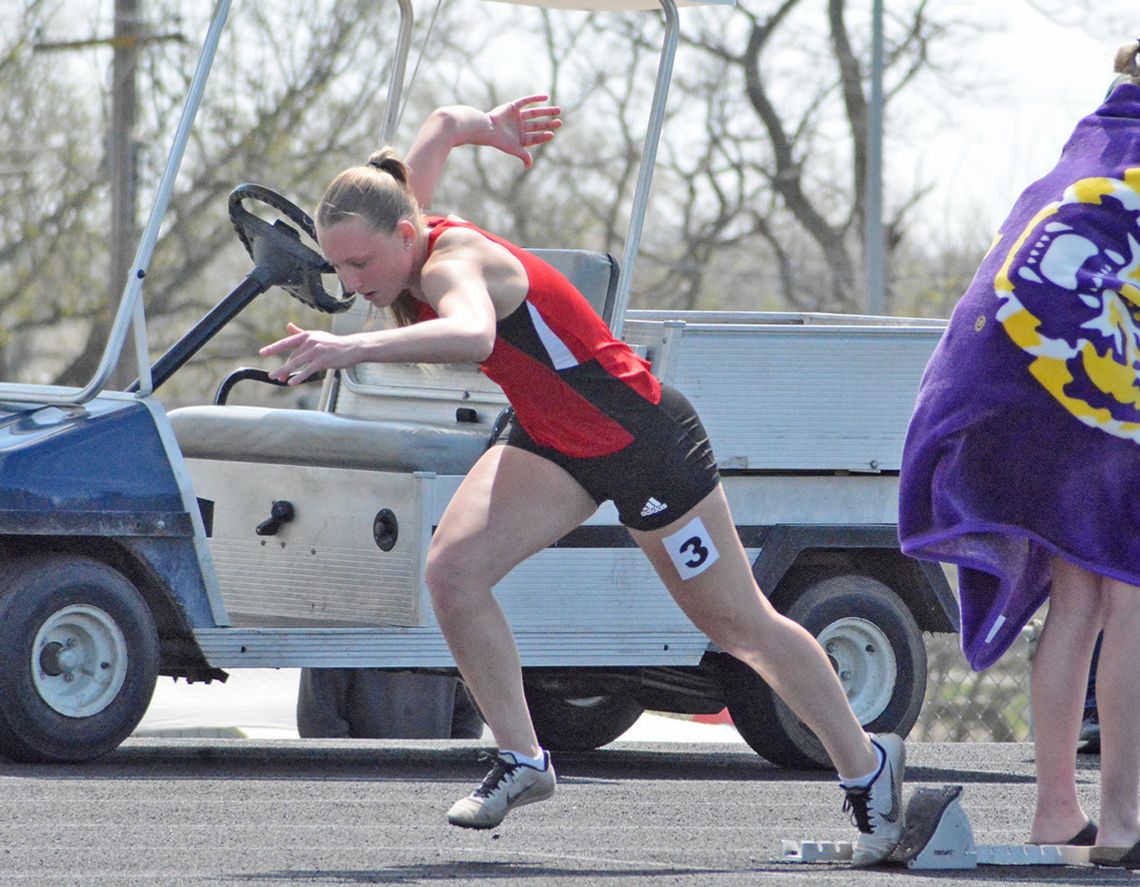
column 691, row 549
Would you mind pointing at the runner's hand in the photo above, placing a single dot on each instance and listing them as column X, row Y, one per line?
column 516, row 127
column 310, row 352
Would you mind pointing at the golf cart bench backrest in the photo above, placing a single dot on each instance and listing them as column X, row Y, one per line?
column 392, row 417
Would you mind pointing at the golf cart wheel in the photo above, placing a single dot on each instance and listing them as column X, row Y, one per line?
column 875, row 647
column 579, row 723
column 79, row 656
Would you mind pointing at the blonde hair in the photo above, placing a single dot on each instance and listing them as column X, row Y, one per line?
column 376, row 192
column 1126, row 65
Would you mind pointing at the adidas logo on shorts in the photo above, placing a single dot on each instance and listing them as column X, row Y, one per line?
column 653, row 507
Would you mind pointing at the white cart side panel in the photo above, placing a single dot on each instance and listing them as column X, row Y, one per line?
column 795, row 397
column 564, row 587
column 837, row 500
column 764, row 500
column 426, row 648
column 325, row 566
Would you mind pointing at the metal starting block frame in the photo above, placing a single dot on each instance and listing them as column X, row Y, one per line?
column 938, row 836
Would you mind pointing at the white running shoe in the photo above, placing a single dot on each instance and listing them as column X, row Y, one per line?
column 877, row 809
column 509, row 784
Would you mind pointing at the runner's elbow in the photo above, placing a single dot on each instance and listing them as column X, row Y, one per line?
column 481, row 347
column 470, row 345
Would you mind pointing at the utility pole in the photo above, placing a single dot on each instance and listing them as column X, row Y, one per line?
column 875, row 248
column 121, row 158
column 123, row 166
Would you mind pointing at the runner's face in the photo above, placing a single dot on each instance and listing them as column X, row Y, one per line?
column 372, row 263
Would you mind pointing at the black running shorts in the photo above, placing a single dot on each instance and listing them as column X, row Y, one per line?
column 658, row 478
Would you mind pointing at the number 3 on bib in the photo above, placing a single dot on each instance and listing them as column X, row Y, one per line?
column 691, row 549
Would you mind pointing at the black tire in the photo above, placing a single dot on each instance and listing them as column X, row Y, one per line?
column 579, row 724
column 875, row 645
column 79, row 656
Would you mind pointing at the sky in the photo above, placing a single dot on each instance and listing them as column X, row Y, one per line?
column 995, row 142
column 1041, row 65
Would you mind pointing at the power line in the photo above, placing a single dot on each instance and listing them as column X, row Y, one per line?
column 118, row 42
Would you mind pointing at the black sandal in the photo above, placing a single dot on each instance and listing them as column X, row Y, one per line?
column 1116, row 857
column 1086, row 837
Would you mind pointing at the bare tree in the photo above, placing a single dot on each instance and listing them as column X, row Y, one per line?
column 49, row 186
column 1111, row 19
column 758, row 195
column 760, row 186
column 285, row 107
column 803, row 73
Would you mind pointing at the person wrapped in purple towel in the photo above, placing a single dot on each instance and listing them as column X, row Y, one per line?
column 1022, row 460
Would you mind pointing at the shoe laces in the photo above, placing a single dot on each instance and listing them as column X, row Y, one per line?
column 500, row 771
column 856, row 806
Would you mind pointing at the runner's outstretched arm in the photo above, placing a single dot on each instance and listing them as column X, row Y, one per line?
column 512, row 128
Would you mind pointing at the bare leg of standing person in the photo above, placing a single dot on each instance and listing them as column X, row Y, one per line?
column 1118, row 699
column 1058, row 684
column 1080, row 604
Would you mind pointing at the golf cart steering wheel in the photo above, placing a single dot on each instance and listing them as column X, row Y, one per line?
column 277, row 250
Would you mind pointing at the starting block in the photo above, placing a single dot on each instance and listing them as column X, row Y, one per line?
column 938, row 836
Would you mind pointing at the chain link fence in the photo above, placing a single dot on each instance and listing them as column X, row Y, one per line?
column 963, row 705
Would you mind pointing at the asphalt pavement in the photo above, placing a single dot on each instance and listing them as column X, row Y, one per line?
column 264, row 812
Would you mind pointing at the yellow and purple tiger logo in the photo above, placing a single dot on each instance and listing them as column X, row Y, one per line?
column 1070, row 291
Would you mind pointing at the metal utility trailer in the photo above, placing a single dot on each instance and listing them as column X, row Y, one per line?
column 137, row 543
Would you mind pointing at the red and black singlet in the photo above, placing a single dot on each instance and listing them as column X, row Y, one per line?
column 574, row 387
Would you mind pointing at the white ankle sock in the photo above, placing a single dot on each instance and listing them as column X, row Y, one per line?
column 538, row 763
column 864, row 781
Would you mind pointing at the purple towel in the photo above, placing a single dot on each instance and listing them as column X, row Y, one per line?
column 1025, row 441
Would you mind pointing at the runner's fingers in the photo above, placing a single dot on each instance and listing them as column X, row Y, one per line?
column 537, row 138
column 529, row 100
column 286, row 344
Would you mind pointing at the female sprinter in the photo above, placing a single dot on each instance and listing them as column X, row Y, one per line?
column 592, row 424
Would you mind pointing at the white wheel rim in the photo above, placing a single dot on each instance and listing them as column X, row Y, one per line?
column 862, row 656
column 79, row 661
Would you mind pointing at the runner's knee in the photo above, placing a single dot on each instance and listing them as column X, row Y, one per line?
column 451, row 581
column 756, row 640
